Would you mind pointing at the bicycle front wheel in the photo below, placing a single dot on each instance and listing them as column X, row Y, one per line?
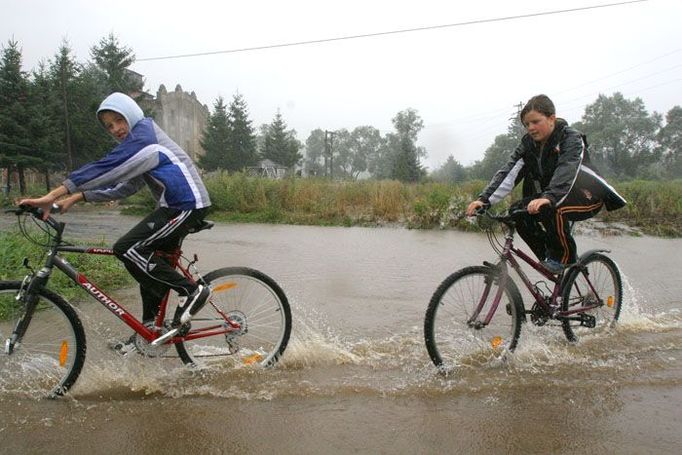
column 252, row 300
column 597, row 282
column 49, row 357
column 454, row 329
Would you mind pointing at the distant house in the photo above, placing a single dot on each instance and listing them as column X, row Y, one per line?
column 267, row 168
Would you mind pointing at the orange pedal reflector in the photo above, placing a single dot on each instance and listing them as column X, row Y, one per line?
column 496, row 342
column 251, row 359
column 610, row 301
column 224, row 287
column 63, row 353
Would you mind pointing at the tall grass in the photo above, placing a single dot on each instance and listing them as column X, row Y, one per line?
column 655, row 207
column 318, row 201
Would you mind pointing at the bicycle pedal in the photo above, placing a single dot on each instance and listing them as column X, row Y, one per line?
column 587, row 320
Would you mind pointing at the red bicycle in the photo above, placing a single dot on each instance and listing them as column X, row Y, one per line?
column 247, row 319
column 476, row 313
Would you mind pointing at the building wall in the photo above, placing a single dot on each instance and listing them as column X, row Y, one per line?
column 182, row 117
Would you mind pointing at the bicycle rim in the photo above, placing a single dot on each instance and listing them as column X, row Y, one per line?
column 453, row 339
column 49, row 357
column 254, row 301
column 597, row 282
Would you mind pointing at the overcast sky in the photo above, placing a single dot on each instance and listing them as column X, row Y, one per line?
column 463, row 80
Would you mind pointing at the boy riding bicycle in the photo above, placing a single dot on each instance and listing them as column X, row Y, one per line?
column 145, row 155
column 559, row 184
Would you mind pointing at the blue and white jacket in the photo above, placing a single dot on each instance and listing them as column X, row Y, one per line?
column 146, row 156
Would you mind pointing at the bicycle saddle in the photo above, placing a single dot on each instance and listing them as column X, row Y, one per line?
column 204, row 224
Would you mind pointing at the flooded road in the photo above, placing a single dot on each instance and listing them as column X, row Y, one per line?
column 356, row 377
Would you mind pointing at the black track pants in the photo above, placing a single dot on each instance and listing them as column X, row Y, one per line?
column 161, row 230
column 548, row 234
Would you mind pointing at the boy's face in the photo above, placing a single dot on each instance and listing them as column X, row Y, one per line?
column 115, row 124
column 539, row 126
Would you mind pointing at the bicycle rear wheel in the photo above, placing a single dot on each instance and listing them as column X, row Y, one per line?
column 48, row 359
column 453, row 339
column 254, row 301
column 596, row 282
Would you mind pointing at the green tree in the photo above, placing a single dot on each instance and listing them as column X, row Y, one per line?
column 406, row 154
column 450, row 172
column 314, row 153
column 342, row 154
column 279, row 144
column 365, row 143
column 216, row 138
column 44, row 125
column 670, row 140
column 241, row 150
column 64, row 72
column 113, row 60
column 621, row 134
column 16, row 150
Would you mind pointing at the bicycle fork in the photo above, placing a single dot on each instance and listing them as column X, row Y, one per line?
column 501, row 277
column 28, row 293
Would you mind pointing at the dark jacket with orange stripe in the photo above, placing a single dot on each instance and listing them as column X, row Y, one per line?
column 551, row 172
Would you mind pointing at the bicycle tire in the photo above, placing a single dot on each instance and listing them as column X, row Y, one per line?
column 50, row 356
column 254, row 300
column 451, row 341
column 604, row 276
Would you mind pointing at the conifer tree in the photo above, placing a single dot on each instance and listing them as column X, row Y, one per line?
column 216, row 139
column 16, row 151
column 280, row 145
column 241, row 151
column 113, row 60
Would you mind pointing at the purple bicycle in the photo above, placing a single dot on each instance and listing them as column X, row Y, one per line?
column 476, row 314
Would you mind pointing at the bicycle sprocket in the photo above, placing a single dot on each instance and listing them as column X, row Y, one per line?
column 145, row 348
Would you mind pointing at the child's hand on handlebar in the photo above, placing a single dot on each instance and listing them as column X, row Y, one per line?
column 44, row 203
column 475, row 207
column 535, row 205
column 66, row 203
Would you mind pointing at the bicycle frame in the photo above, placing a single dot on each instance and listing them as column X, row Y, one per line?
column 508, row 255
column 149, row 333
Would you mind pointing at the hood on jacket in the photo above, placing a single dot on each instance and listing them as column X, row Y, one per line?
column 124, row 105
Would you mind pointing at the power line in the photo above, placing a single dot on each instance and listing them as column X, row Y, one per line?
column 492, row 117
column 621, row 71
column 392, row 32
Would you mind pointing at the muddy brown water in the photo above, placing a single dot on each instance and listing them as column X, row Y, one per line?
column 356, row 377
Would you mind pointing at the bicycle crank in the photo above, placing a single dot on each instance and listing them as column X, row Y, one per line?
column 538, row 316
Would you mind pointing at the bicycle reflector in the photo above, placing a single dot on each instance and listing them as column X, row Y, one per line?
column 251, row 359
column 609, row 301
column 496, row 342
column 224, row 287
column 63, row 353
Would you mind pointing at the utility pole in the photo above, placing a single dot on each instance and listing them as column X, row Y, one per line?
column 329, row 152
column 517, row 127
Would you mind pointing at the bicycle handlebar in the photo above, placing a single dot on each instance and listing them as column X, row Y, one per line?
column 507, row 217
column 35, row 211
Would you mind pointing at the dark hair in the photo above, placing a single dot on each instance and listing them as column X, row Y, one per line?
column 540, row 103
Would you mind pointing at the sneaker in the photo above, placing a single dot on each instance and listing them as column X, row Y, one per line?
column 553, row 266
column 195, row 302
column 124, row 347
